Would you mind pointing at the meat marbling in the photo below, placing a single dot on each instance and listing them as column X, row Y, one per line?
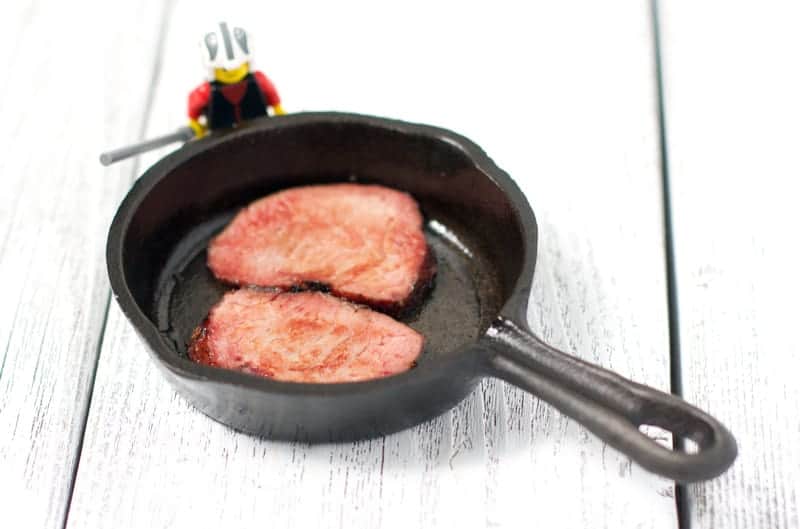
column 363, row 242
column 303, row 337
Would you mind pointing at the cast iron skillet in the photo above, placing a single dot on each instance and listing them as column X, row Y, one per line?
column 484, row 234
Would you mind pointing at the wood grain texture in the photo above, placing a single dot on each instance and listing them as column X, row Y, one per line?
column 563, row 97
column 55, row 207
column 732, row 114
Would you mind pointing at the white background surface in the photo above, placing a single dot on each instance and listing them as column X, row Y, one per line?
column 563, row 95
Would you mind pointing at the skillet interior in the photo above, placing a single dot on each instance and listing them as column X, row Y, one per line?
column 478, row 257
column 477, row 221
column 452, row 315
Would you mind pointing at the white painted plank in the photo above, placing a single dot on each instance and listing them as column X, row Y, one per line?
column 566, row 103
column 732, row 87
column 55, row 207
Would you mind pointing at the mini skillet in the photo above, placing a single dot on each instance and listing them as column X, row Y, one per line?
column 484, row 234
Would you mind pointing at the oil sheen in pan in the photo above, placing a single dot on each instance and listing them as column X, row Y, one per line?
column 188, row 290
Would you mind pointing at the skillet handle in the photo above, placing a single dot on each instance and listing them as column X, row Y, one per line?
column 611, row 406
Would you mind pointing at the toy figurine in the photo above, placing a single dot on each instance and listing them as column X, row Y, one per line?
column 233, row 94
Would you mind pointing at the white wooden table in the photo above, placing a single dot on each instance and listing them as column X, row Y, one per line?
column 692, row 290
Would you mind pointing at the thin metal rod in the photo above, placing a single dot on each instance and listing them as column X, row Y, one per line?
column 183, row 134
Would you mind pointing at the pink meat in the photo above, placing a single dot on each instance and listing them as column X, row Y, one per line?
column 303, row 337
column 363, row 242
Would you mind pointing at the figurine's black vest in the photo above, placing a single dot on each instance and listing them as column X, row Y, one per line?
column 231, row 104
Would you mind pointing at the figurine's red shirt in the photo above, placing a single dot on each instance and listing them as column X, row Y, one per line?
column 198, row 98
column 266, row 86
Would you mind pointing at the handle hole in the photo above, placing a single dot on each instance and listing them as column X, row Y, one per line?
column 690, row 446
column 668, row 439
column 691, row 432
column 658, row 434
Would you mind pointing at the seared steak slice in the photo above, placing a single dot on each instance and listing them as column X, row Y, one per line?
column 303, row 337
column 363, row 242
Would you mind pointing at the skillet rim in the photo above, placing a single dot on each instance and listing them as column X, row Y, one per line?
column 514, row 308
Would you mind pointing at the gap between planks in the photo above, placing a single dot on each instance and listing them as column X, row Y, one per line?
column 155, row 74
column 676, row 386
